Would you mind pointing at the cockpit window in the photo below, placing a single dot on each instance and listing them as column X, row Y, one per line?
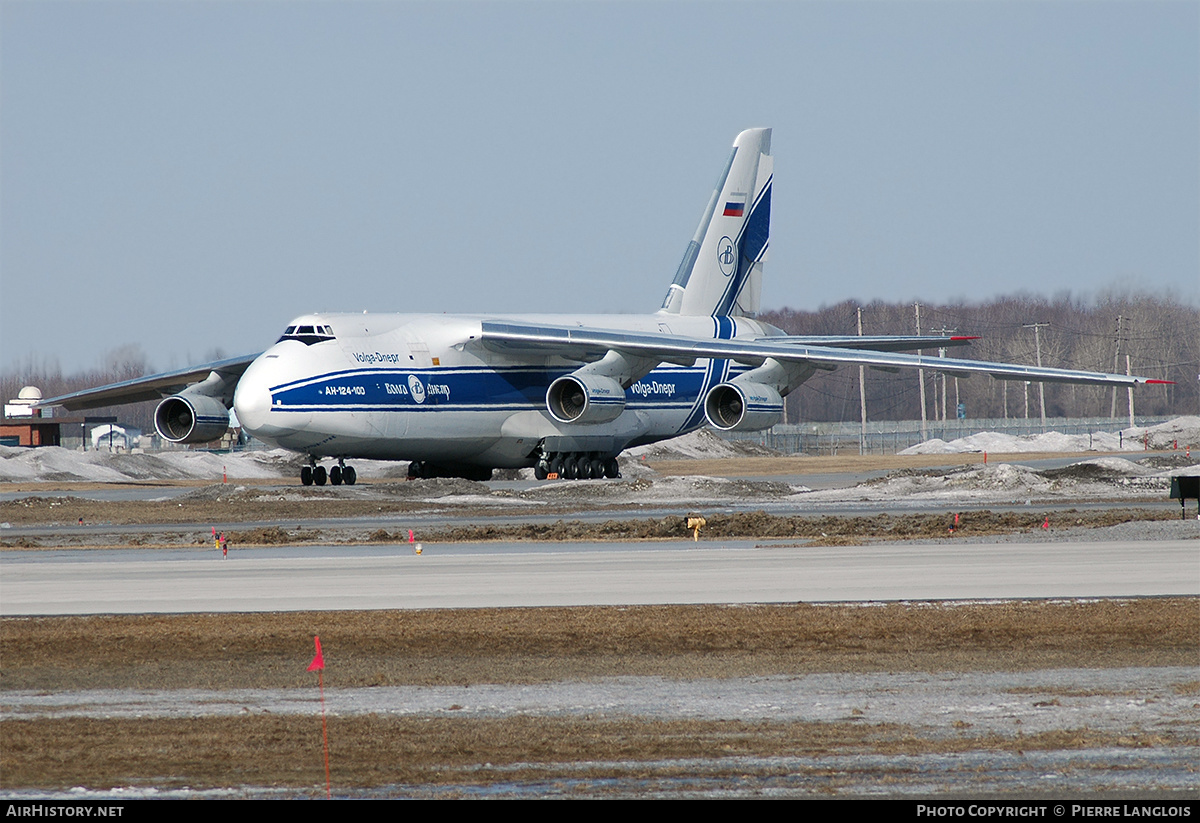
column 307, row 334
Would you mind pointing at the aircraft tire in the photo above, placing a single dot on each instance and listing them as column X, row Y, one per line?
column 319, row 475
column 335, row 475
column 306, row 475
column 556, row 465
column 597, row 469
column 540, row 471
column 571, row 468
column 612, row 469
column 349, row 476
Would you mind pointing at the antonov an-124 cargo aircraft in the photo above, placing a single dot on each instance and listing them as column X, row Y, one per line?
column 461, row 395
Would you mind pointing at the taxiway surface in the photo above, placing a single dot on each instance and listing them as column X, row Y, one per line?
column 66, row 582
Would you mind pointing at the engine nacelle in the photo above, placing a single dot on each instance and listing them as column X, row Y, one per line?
column 738, row 406
column 191, row 418
column 585, row 398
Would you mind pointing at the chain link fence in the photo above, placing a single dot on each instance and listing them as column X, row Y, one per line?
column 890, row 437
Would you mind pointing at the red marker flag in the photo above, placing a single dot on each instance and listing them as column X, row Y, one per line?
column 318, row 665
column 318, row 661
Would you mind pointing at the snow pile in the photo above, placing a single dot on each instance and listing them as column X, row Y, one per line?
column 1103, row 468
column 997, row 443
column 54, row 463
column 1003, row 480
column 1182, row 432
column 701, row 444
column 1008, row 483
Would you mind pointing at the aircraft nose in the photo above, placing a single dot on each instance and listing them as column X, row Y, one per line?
column 252, row 398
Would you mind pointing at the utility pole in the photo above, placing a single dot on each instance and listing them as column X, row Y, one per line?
column 942, row 353
column 921, row 378
column 862, row 395
column 1037, row 339
column 1129, row 370
column 1116, row 359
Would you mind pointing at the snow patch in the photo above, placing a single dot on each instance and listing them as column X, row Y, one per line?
column 1182, row 432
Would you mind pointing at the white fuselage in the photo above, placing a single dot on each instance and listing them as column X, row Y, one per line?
column 422, row 387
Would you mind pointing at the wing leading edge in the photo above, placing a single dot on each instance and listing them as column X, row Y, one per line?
column 588, row 344
column 150, row 387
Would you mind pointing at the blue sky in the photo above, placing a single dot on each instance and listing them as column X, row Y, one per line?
column 190, row 175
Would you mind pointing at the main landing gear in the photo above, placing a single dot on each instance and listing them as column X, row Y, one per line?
column 576, row 466
column 314, row 475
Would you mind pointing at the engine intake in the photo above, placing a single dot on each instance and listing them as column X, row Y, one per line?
column 585, row 398
column 738, row 406
column 191, row 418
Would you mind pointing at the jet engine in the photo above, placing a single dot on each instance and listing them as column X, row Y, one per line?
column 743, row 406
column 191, row 418
column 585, row 398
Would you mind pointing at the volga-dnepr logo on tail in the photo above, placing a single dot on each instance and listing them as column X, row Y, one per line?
column 721, row 271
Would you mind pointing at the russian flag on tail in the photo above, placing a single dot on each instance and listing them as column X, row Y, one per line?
column 734, row 208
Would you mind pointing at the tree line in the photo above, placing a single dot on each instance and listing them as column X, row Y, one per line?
column 1158, row 336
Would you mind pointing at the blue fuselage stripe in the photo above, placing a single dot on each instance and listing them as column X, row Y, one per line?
column 485, row 389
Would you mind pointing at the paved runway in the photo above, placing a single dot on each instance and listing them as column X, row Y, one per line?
column 571, row 574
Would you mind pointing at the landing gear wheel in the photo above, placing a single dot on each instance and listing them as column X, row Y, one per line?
column 556, row 466
column 571, row 468
column 306, row 475
column 335, row 475
column 612, row 469
column 540, row 472
column 349, row 475
column 318, row 474
column 597, row 469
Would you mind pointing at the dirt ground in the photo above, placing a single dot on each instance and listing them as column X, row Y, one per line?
column 255, row 500
column 482, row 757
column 463, row 647
column 825, row 530
column 535, row 646
column 778, row 466
column 447, row 647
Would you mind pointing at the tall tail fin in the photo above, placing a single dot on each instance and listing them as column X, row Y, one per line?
column 721, row 272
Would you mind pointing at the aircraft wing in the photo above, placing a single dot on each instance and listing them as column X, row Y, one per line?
column 874, row 342
column 589, row 344
column 150, row 387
